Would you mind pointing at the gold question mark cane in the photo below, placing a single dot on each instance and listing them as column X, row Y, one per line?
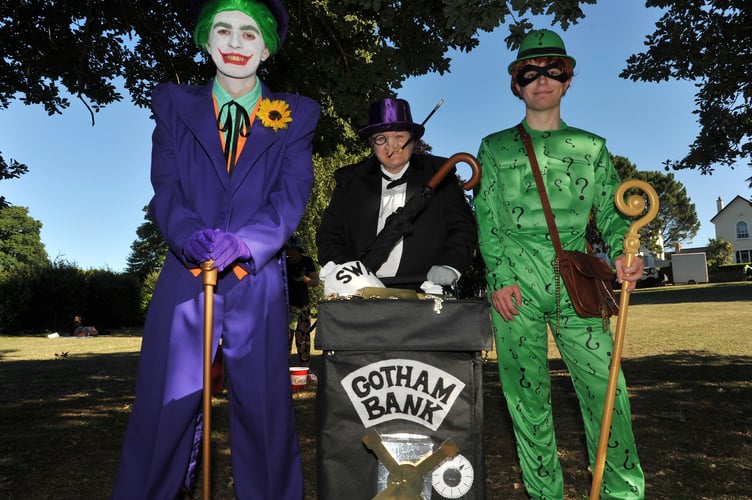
column 633, row 207
column 209, row 280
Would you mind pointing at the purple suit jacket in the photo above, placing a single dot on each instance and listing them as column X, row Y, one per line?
column 262, row 202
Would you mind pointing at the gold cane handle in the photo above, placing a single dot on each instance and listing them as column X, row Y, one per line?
column 634, row 206
column 208, row 273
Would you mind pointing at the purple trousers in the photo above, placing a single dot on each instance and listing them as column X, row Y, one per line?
column 162, row 439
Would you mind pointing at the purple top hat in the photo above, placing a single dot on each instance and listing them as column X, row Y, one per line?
column 389, row 115
column 275, row 6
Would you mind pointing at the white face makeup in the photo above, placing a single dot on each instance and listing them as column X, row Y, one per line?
column 236, row 45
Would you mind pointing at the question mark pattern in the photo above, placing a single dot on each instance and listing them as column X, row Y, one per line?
column 514, row 240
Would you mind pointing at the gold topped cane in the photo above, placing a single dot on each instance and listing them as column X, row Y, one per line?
column 633, row 207
column 209, row 280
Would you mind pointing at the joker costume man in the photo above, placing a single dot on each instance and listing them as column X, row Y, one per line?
column 232, row 172
column 519, row 256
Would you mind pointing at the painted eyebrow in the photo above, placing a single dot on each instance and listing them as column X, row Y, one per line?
column 249, row 27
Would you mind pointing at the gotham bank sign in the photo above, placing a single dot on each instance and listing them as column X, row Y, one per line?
column 403, row 389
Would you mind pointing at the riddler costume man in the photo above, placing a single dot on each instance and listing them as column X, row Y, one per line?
column 232, row 172
column 517, row 249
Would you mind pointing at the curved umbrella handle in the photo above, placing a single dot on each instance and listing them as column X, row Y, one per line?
column 451, row 162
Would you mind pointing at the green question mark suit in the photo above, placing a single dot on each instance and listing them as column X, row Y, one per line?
column 516, row 246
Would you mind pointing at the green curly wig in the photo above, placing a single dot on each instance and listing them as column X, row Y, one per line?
column 257, row 10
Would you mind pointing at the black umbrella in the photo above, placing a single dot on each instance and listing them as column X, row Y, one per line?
column 401, row 221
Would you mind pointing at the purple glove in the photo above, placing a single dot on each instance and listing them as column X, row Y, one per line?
column 228, row 248
column 199, row 246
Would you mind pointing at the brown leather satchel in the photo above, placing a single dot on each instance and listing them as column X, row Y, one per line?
column 587, row 278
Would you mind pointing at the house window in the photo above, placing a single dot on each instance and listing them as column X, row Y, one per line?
column 742, row 230
column 743, row 256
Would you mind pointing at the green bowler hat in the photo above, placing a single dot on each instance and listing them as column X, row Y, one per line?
column 541, row 43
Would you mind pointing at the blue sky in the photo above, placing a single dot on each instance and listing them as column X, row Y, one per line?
column 88, row 185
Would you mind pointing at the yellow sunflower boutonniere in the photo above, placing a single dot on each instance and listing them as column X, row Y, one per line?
column 274, row 114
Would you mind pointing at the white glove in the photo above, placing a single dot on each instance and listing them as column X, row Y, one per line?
column 442, row 275
column 432, row 288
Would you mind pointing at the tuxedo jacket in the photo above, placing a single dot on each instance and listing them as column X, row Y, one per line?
column 443, row 234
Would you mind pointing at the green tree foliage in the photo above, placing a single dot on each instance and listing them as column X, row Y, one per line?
column 719, row 252
column 341, row 52
column 50, row 297
column 113, row 300
column 12, row 170
column 46, row 298
column 627, row 170
column 677, row 218
column 145, row 261
column 20, row 240
column 14, row 293
column 705, row 41
column 147, row 291
column 323, row 185
column 148, row 251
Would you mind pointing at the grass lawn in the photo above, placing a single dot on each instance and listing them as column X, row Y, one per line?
column 687, row 359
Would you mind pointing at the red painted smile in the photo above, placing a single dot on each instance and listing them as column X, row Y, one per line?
column 234, row 58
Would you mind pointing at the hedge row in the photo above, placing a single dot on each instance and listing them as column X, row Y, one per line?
column 46, row 299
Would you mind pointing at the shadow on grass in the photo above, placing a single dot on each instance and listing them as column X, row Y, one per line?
column 62, row 425
column 692, row 414
column 63, row 422
column 717, row 292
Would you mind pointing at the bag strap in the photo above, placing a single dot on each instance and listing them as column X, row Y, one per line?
column 552, row 228
column 541, row 190
column 549, row 218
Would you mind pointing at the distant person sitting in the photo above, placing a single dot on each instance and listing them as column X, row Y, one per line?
column 83, row 331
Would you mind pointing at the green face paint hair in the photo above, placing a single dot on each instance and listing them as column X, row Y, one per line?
column 256, row 10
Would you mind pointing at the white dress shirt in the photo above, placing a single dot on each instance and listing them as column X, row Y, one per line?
column 391, row 199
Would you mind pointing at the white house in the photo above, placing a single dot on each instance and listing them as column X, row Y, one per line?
column 733, row 223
